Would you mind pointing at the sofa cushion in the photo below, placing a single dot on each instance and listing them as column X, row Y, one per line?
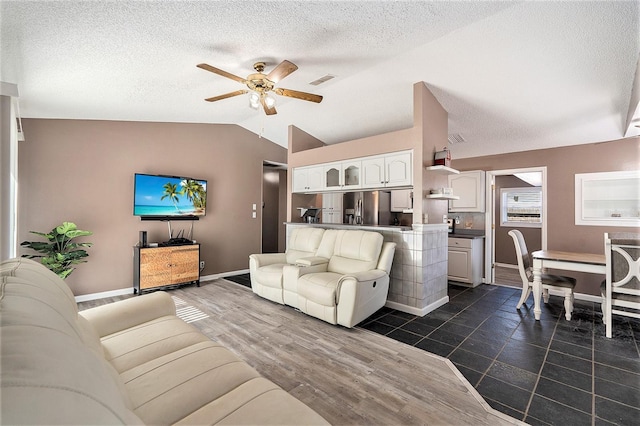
column 303, row 242
column 256, row 402
column 49, row 377
column 270, row 275
column 28, row 304
column 138, row 345
column 38, row 275
column 319, row 287
column 355, row 251
column 173, row 386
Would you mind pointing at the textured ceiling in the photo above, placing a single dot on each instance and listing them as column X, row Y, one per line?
column 513, row 76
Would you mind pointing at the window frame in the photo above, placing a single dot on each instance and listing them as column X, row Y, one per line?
column 505, row 222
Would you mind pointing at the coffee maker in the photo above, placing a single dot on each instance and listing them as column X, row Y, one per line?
column 310, row 214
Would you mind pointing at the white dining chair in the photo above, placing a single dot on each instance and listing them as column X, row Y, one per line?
column 621, row 288
column 563, row 284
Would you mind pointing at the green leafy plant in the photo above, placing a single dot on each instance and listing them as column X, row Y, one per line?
column 60, row 253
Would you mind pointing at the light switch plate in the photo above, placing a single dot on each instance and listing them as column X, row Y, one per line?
column 255, row 207
column 254, row 215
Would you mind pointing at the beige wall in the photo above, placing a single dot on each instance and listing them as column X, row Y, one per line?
column 562, row 165
column 82, row 171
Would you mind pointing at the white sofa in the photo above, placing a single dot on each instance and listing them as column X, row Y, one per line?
column 128, row 362
column 345, row 281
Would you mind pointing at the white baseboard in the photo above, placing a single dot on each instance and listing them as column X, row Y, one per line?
column 417, row 311
column 104, row 294
column 129, row 290
column 223, row 275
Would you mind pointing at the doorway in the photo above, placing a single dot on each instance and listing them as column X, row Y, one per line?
column 516, row 199
column 274, row 204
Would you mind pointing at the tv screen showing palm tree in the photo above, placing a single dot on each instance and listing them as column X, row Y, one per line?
column 160, row 197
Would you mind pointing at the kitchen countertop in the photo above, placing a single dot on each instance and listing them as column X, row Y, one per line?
column 348, row 226
column 467, row 233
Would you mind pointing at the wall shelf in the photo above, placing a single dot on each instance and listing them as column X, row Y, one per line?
column 442, row 170
column 442, row 197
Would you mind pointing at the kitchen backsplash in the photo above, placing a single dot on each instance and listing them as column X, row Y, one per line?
column 469, row 220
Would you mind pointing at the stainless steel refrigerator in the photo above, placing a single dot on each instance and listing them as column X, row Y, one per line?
column 367, row 207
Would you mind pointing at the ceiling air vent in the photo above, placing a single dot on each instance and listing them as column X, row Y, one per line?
column 322, row 80
column 455, row 138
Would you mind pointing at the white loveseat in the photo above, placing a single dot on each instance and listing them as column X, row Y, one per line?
column 345, row 281
column 128, row 362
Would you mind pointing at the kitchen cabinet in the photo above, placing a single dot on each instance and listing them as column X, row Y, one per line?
column 401, row 200
column 157, row 267
column 308, row 179
column 343, row 175
column 464, row 263
column 373, row 172
column 469, row 187
column 332, row 208
column 608, row 198
column 390, row 170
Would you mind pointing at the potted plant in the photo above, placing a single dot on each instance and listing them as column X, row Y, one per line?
column 60, row 253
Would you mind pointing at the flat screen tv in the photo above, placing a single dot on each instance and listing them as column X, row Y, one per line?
column 160, row 197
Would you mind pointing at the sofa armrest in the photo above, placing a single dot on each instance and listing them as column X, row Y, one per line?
column 118, row 316
column 290, row 276
column 365, row 276
column 360, row 295
column 291, row 273
column 312, row 261
column 263, row 259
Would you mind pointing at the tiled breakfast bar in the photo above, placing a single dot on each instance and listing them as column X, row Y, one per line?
column 419, row 271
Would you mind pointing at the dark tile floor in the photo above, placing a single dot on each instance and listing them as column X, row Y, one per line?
column 551, row 371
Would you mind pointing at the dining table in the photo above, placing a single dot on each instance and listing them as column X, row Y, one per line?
column 564, row 260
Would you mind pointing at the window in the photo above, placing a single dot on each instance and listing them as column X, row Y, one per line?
column 608, row 199
column 521, row 207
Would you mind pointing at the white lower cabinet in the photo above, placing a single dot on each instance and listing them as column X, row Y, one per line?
column 465, row 260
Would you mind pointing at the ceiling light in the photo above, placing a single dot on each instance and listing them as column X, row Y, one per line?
column 269, row 101
column 254, row 100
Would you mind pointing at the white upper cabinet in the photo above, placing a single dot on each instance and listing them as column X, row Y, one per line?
column 470, row 187
column 384, row 171
column 373, row 172
column 401, row 200
column 342, row 176
column 308, row 179
column 379, row 171
column 399, row 169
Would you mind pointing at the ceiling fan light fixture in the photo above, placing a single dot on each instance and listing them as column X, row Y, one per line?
column 254, row 100
column 269, row 101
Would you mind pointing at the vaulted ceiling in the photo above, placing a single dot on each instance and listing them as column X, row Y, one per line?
column 513, row 76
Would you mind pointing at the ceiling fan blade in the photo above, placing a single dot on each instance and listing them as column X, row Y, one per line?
column 227, row 95
column 222, row 73
column 283, row 69
column 299, row 95
column 267, row 110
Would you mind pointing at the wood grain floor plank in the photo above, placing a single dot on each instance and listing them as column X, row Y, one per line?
column 349, row 376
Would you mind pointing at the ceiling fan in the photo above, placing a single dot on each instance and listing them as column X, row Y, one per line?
column 260, row 85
